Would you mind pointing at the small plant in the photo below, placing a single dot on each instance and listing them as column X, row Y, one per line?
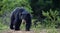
column 51, row 19
column 52, row 31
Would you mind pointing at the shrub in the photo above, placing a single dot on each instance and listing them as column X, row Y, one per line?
column 52, row 18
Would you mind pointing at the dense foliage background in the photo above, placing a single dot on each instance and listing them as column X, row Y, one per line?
column 46, row 13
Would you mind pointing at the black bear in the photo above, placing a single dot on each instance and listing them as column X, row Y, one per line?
column 16, row 18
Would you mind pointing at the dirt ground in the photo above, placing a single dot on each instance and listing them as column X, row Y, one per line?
column 41, row 31
column 12, row 31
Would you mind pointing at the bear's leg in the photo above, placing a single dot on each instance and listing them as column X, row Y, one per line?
column 12, row 22
column 28, row 24
column 17, row 24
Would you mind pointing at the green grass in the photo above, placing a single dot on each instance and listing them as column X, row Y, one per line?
column 38, row 29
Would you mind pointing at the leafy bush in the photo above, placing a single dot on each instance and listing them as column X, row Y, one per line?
column 52, row 18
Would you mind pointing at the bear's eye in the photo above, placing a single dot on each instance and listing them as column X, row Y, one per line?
column 21, row 14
